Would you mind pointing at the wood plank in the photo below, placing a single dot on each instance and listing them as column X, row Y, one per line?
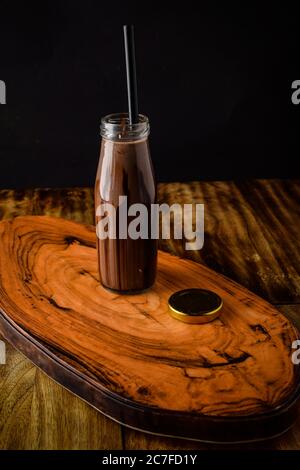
column 74, row 203
column 37, row 413
column 113, row 350
column 251, row 232
column 220, row 198
column 251, row 227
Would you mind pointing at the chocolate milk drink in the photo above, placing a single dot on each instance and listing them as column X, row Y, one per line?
column 126, row 265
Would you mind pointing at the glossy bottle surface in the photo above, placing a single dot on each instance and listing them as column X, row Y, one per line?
column 125, row 169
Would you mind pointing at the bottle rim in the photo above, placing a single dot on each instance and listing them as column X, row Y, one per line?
column 117, row 127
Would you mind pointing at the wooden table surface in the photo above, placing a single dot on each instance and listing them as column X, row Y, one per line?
column 251, row 234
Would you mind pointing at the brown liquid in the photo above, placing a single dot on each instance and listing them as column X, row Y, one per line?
column 125, row 169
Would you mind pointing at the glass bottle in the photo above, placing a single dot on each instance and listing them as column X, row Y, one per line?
column 126, row 252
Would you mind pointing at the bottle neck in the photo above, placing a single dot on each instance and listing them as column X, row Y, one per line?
column 116, row 127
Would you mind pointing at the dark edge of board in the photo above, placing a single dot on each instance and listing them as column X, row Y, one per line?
column 149, row 419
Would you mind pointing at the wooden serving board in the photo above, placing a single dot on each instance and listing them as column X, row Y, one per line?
column 225, row 381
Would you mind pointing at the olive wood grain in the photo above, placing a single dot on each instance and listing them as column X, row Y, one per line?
column 251, row 227
column 126, row 356
column 290, row 440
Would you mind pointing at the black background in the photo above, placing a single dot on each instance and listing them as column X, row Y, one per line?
column 214, row 81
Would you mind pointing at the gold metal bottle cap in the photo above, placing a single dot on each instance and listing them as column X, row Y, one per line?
column 195, row 305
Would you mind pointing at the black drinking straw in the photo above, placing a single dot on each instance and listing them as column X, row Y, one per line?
column 131, row 74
